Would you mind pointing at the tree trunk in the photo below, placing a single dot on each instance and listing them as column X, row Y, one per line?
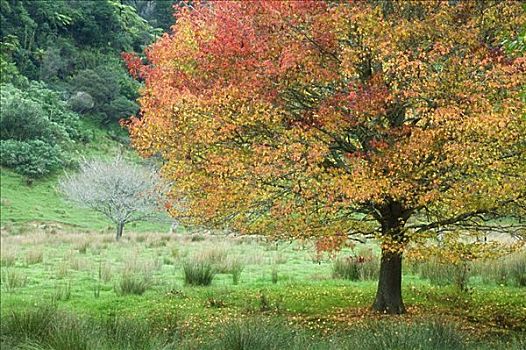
column 120, row 227
column 389, row 293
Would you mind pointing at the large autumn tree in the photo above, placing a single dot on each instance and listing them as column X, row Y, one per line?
column 321, row 119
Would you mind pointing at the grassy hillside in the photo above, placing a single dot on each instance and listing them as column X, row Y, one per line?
column 23, row 205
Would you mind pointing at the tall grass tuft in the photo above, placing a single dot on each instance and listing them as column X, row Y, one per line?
column 509, row 270
column 354, row 268
column 389, row 335
column 136, row 277
column 35, row 323
column 132, row 284
column 198, row 272
column 8, row 257
column 236, row 266
column 441, row 274
column 274, row 274
column 255, row 335
column 124, row 333
column 44, row 327
column 13, row 279
column 82, row 245
column 62, row 292
column 34, row 256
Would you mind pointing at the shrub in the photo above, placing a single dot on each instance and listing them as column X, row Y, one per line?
column 33, row 158
column 198, row 272
column 35, row 124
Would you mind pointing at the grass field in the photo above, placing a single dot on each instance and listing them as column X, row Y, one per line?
column 67, row 284
column 283, row 286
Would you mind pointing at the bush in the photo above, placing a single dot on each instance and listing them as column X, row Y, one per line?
column 35, row 124
column 33, row 158
column 198, row 272
column 37, row 113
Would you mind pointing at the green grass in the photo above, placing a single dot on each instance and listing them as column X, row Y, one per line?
column 24, row 207
column 89, row 284
column 47, row 327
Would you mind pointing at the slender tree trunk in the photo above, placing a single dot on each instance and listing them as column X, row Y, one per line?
column 389, row 292
column 120, row 227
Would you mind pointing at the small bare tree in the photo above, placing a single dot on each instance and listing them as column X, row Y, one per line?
column 122, row 191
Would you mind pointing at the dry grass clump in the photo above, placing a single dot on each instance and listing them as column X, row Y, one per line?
column 279, row 258
column 82, row 245
column 34, row 256
column 509, row 270
column 105, row 271
column 157, row 241
column 136, row 276
column 8, row 257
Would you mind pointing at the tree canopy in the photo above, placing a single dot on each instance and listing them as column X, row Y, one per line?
column 311, row 118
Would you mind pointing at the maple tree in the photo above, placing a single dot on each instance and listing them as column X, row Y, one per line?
column 397, row 120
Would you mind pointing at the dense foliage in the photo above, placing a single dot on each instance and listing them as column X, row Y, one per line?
column 389, row 119
column 36, row 125
column 73, row 49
